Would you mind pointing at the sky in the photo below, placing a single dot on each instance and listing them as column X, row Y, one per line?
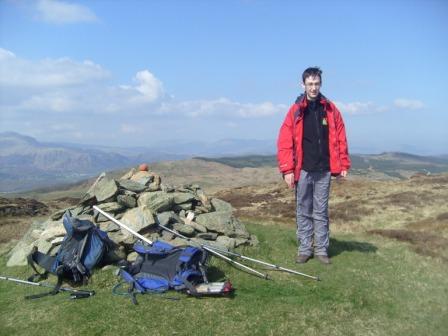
column 142, row 73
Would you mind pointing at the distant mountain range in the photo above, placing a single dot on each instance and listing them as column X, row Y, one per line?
column 26, row 163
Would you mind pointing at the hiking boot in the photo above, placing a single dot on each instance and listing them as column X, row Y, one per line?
column 303, row 258
column 323, row 259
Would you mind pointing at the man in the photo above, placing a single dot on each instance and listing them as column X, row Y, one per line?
column 312, row 146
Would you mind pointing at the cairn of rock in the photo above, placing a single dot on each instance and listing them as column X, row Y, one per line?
column 141, row 201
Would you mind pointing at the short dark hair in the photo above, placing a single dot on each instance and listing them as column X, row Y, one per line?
column 312, row 72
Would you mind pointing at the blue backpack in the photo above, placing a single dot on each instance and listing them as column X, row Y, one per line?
column 82, row 249
column 161, row 267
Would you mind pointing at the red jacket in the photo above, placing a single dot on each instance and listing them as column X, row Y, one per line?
column 289, row 143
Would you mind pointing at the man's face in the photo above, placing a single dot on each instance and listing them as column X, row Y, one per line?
column 312, row 87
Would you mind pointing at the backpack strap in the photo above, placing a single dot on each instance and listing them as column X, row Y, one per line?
column 43, row 260
column 54, row 291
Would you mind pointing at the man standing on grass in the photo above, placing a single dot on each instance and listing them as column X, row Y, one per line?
column 311, row 147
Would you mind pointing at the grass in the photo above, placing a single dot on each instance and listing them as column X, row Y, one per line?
column 375, row 286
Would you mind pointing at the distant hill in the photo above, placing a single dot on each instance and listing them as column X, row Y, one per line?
column 389, row 164
column 26, row 163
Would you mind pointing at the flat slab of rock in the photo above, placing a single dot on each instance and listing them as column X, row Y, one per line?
column 184, row 229
column 157, row 201
column 220, row 222
column 111, row 207
column 134, row 186
column 138, row 219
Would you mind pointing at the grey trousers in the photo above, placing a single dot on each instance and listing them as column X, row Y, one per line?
column 313, row 191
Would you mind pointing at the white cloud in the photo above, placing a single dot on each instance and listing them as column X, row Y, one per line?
column 19, row 73
column 148, row 85
column 355, row 108
column 223, row 107
column 61, row 12
column 410, row 104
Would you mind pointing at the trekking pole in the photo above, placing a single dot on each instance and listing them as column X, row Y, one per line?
column 243, row 257
column 247, row 268
column 77, row 294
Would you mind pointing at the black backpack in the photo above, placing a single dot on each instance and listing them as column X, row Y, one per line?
column 82, row 249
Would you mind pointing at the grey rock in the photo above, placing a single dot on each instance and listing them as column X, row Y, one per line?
column 198, row 227
column 106, row 190
column 57, row 241
column 240, row 230
column 103, row 189
column 221, row 206
column 207, row 236
column 142, row 177
column 178, row 242
column 120, row 238
column 240, row 241
column 165, row 218
column 138, row 219
column 226, row 241
column 43, row 246
column 19, row 254
column 182, row 197
column 186, row 230
column 158, row 201
column 132, row 185
column 167, row 236
column 77, row 211
column 220, row 222
column 127, row 201
column 109, row 226
column 112, row 207
column 167, row 188
column 210, row 243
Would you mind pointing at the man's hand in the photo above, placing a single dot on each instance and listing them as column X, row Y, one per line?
column 343, row 173
column 289, row 179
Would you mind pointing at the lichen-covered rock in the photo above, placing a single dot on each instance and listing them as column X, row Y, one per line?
column 142, row 177
column 220, row 222
column 127, row 201
column 138, row 219
column 112, row 207
column 166, row 218
column 157, row 201
column 198, row 227
column 184, row 229
column 226, row 241
column 221, row 206
column 19, row 254
column 132, row 185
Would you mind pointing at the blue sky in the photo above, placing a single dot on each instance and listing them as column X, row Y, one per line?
column 128, row 73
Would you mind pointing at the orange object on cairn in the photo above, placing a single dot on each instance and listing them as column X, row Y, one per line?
column 143, row 167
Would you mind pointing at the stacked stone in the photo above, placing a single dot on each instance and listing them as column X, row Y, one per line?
column 141, row 201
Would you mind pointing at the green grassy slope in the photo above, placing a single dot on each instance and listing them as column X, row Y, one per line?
column 374, row 287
